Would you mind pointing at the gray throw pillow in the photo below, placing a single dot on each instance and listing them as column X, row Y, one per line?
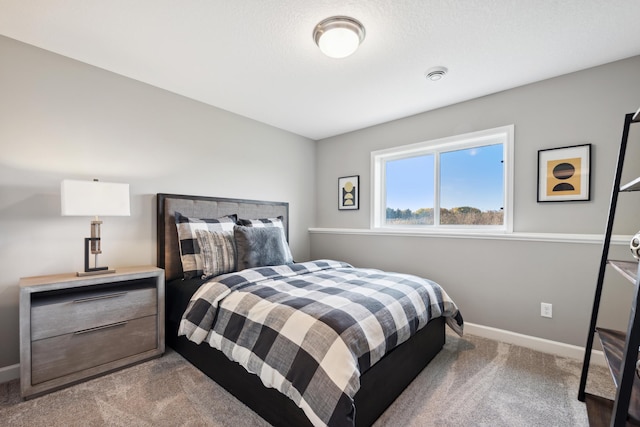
column 260, row 246
column 268, row 222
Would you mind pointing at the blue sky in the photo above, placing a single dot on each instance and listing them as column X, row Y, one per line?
column 471, row 177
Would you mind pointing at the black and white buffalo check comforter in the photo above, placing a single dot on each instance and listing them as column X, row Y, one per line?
column 310, row 329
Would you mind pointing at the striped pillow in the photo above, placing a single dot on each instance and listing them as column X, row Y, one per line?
column 218, row 250
column 190, row 255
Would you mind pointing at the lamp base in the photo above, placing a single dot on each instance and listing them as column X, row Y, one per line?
column 94, row 272
column 92, row 244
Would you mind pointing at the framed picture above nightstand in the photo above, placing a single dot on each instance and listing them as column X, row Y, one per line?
column 75, row 328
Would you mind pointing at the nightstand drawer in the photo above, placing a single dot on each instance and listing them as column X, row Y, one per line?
column 63, row 313
column 62, row 355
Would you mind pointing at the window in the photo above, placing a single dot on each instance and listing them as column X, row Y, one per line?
column 460, row 182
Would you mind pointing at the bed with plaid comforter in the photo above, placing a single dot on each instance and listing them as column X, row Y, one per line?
column 310, row 329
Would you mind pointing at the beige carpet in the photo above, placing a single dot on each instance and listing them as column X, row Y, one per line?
column 472, row 382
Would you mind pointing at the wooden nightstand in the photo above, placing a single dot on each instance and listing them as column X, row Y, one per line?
column 74, row 328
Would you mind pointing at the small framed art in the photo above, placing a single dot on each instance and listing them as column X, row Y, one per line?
column 564, row 174
column 349, row 192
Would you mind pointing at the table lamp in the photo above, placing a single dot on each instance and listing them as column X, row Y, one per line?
column 94, row 198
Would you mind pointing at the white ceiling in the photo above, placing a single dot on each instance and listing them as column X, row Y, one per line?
column 257, row 58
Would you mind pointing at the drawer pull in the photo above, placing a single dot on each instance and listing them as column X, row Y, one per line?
column 97, row 328
column 118, row 294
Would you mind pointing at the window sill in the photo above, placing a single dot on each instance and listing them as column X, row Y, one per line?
column 495, row 235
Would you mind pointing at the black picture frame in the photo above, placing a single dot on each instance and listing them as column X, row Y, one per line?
column 349, row 192
column 564, row 174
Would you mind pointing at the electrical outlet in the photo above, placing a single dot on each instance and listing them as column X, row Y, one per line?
column 546, row 309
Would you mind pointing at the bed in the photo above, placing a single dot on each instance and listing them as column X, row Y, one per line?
column 379, row 385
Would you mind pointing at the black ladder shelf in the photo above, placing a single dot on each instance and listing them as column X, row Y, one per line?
column 620, row 348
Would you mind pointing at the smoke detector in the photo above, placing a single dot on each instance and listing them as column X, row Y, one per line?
column 436, row 73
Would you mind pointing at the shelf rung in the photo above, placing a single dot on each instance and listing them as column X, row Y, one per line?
column 632, row 186
column 613, row 346
column 629, row 269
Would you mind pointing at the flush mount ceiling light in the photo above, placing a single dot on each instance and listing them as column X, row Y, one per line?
column 338, row 36
column 436, row 73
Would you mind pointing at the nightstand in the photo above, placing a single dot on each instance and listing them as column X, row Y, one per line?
column 75, row 328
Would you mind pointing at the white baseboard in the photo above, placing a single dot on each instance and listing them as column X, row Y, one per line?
column 534, row 343
column 9, row 373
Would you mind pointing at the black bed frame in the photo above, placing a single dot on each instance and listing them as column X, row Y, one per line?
column 379, row 386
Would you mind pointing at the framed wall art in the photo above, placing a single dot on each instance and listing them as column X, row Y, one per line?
column 349, row 192
column 564, row 174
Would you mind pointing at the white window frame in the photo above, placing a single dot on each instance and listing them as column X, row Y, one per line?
column 501, row 135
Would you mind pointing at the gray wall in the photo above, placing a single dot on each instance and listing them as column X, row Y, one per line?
column 63, row 119
column 501, row 283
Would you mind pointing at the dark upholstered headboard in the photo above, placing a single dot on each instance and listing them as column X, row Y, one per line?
column 204, row 207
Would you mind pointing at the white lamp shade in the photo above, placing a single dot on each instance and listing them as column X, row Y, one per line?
column 94, row 198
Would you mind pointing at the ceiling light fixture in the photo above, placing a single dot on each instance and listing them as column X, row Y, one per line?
column 436, row 73
column 338, row 36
